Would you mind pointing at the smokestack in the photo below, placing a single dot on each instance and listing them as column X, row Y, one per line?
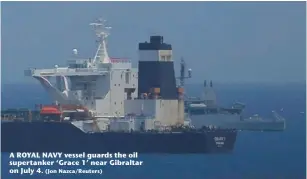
column 156, row 68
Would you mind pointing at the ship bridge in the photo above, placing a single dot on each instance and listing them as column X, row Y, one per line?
column 52, row 72
column 80, row 67
column 101, row 83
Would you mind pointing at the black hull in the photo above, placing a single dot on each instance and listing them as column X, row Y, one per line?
column 64, row 137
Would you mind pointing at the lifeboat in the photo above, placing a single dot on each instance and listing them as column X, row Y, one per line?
column 64, row 112
column 50, row 110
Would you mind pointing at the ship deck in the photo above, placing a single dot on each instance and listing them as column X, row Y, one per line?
column 19, row 114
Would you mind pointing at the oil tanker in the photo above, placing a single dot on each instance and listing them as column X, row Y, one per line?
column 103, row 104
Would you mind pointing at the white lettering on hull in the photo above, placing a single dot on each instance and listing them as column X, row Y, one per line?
column 219, row 141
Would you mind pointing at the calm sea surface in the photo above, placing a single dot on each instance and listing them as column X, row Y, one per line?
column 257, row 155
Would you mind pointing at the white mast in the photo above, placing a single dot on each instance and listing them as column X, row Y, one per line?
column 102, row 32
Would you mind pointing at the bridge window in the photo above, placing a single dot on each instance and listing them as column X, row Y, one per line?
column 168, row 58
column 162, row 58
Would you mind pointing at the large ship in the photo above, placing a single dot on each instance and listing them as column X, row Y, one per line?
column 204, row 111
column 102, row 104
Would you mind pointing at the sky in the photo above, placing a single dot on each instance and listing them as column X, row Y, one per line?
column 227, row 42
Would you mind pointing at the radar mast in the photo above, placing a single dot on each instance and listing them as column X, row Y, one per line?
column 102, row 32
column 183, row 72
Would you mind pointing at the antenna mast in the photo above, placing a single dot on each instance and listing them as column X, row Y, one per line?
column 183, row 71
column 102, row 32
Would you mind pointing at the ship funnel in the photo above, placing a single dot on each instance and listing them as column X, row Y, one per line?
column 156, row 68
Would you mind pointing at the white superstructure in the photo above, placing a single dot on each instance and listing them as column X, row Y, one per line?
column 101, row 83
column 109, row 88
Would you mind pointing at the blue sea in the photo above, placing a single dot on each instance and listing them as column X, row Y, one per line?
column 257, row 155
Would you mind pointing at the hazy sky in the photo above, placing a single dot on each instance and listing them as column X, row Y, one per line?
column 222, row 41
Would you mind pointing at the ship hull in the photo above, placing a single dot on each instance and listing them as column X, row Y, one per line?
column 65, row 137
column 233, row 121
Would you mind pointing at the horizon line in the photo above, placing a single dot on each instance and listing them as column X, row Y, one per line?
column 193, row 83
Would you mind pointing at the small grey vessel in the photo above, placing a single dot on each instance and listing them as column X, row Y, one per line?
column 205, row 112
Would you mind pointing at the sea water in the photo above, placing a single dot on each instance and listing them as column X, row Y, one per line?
column 258, row 155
